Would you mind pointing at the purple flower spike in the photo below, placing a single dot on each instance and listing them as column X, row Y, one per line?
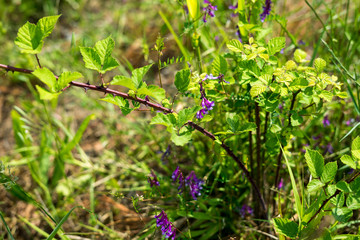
column 207, row 106
column 167, row 228
column 194, row 184
column 245, row 209
column 209, row 10
column 178, row 175
column 326, row 121
column 266, row 10
column 281, row 183
column 152, row 179
column 233, row 7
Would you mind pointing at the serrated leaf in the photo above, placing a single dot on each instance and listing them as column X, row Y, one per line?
column 219, row 65
column 285, row 227
column 257, row 89
column 138, row 75
column 235, row 46
column 347, row 160
column 123, row 81
column 290, row 65
column 182, row 80
column 104, row 48
column 299, row 56
column 331, row 189
column 355, row 185
column 46, row 95
column 343, row 186
column 47, row 24
column 152, row 91
column 296, row 119
column 234, row 122
column 46, row 76
column 315, row 162
column 109, row 64
column 67, row 77
column 326, row 95
column 122, row 103
column 314, row 185
column 353, row 202
column 329, row 172
column 186, row 115
column 29, row 38
column 355, row 148
column 182, row 138
column 342, row 95
column 342, row 214
column 275, row 45
column 168, row 120
column 246, row 127
column 91, row 58
column 339, row 200
column 319, row 64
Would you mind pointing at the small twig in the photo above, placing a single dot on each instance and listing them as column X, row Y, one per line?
column 38, row 61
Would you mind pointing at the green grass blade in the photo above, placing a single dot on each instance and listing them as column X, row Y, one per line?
column 6, row 226
column 37, row 229
column 58, row 227
column 350, row 131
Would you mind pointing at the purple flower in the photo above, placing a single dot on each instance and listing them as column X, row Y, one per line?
column 207, row 106
column 329, row 148
column 166, row 153
column 303, row 150
column 350, row 121
column 209, row 10
column 154, row 181
column 245, row 209
column 238, row 34
column 301, row 42
column 266, row 10
column 212, row 77
column 194, row 184
column 178, row 175
column 147, row 98
column 282, row 51
column 326, row 121
column 216, row 38
column 167, row 227
column 233, row 7
column 281, row 183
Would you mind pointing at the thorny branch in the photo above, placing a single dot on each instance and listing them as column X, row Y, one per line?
column 158, row 107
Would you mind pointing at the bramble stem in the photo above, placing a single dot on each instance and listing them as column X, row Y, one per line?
column 158, row 107
column 38, row 61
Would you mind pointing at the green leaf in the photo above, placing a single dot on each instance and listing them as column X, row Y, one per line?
column 296, row 119
column 47, row 77
column 123, row 81
column 168, row 120
column 329, row 172
column 342, row 214
column 343, row 186
column 285, row 227
column 46, row 95
column 353, row 202
column 47, row 24
column 355, row 148
column 122, row 103
column 186, row 115
column 91, row 58
column 347, row 160
column 235, row 46
column 355, row 185
column 182, row 80
column 182, row 138
column 339, row 200
column 67, row 77
column 109, row 64
column 315, row 162
column 104, row 48
column 319, row 64
column 29, row 39
column 257, row 89
column 219, row 65
column 194, row 8
column 234, row 122
column 6, row 226
column 300, row 55
column 275, row 45
column 314, row 185
column 152, row 91
column 138, row 75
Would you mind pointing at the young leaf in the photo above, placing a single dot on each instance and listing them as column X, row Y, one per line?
column 109, row 64
column 29, row 39
column 314, row 185
column 343, row 186
column 182, row 138
column 353, row 202
column 168, row 120
column 104, row 48
column 329, row 172
column 299, row 55
column 257, row 89
column 47, row 77
column 319, row 64
column 286, row 227
column 347, row 160
column 123, row 81
column 194, row 8
column 182, row 80
column 355, row 148
column 152, row 91
column 47, row 24
column 342, row 214
column 275, row 45
column 315, row 162
column 138, row 75
column 122, row 103
column 67, row 77
column 235, row 46
column 91, row 58
column 219, row 65
column 186, row 115
column 46, row 95
column 234, row 122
